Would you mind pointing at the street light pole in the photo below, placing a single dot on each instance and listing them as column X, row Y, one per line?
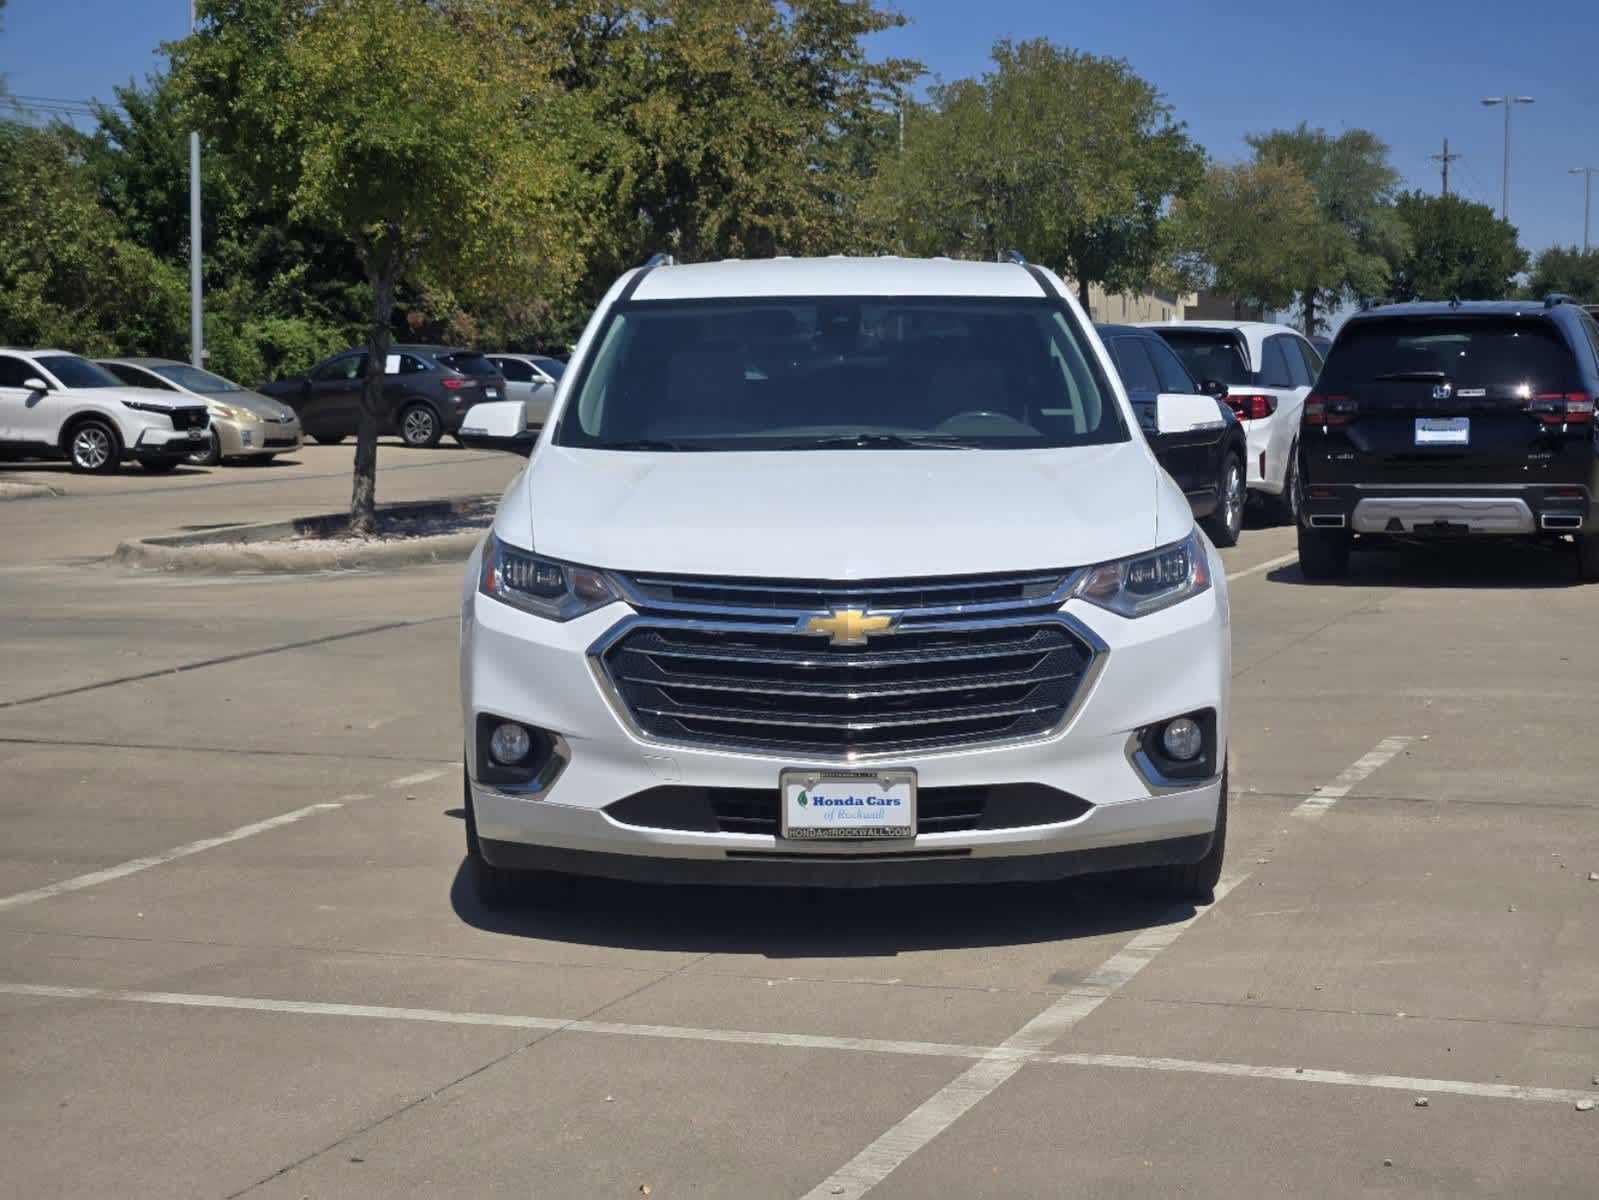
column 1587, row 200
column 196, row 317
column 1509, row 102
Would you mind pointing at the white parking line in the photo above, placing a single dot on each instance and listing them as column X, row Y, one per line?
column 79, row 882
column 878, row 1160
column 421, row 777
column 991, row 1056
column 873, row 1164
column 1232, row 576
column 1314, row 807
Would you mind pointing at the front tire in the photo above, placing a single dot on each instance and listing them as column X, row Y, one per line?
column 211, row 455
column 1324, row 553
column 94, row 448
column 420, row 427
column 499, row 888
column 1194, row 882
column 1588, row 557
column 1227, row 522
column 1288, row 502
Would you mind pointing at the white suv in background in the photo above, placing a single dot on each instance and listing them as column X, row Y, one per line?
column 1268, row 370
column 54, row 404
column 843, row 572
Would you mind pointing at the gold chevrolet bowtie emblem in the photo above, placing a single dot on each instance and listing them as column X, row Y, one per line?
column 850, row 626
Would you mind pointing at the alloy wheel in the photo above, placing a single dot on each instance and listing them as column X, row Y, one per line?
column 91, row 448
column 418, row 427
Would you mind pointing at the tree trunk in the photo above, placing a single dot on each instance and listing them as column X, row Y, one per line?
column 1082, row 297
column 363, row 488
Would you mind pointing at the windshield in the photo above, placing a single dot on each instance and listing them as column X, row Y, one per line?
column 1511, row 354
column 1210, row 354
column 470, row 362
column 75, row 372
column 553, row 367
column 839, row 373
column 194, row 379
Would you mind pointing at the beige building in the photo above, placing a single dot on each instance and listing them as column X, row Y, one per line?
column 1118, row 309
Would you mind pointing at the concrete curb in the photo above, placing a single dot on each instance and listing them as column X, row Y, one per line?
column 238, row 549
column 11, row 489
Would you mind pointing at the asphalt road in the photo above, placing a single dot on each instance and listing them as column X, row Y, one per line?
column 237, row 955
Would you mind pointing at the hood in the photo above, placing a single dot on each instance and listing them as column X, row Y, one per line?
column 159, row 397
column 847, row 514
column 251, row 402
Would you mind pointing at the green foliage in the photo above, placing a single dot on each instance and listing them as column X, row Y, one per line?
column 68, row 276
column 1568, row 270
column 1455, row 248
column 1251, row 227
column 1066, row 156
column 1360, row 235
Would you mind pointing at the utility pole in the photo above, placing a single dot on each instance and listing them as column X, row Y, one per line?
column 1445, row 158
column 196, row 316
column 1587, row 200
column 1509, row 102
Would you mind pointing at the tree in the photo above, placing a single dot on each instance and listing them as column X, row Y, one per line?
column 413, row 129
column 1455, row 248
column 1360, row 234
column 1251, row 226
column 1068, row 157
column 1567, row 270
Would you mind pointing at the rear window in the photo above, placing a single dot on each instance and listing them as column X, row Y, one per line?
column 1520, row 355
column 845, row 372
column 470, row 362
column 1210, row 354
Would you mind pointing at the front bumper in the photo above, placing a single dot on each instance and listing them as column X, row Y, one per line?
column 245, row 439
column 518, row 666
column 168, row 443
column 1515, row 509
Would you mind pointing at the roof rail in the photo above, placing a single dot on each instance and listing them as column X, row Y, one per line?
column 1015, row 256
column 660, row 260
column 1554, row 298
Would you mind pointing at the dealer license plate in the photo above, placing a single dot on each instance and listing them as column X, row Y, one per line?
column 824, row 805
column 1443, row 431
column 194, row 434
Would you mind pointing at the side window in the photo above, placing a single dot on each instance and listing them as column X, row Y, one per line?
column 1174, row 377
column 1591, row 328
column 1312, row 359
column 14, row 372
column 1138, row 373
column 1274, row 371
column 403, row 364
column 346, row 366
column 514, row 369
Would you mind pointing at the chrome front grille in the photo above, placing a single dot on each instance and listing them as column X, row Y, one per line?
column 729, row 664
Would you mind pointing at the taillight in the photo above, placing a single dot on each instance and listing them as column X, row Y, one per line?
column 1330, row 410
column 1562, row 408
column 1251, row 407
column 452, row 384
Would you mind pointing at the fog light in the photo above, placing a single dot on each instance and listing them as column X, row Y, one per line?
column 1182, row 739
column 509, row 743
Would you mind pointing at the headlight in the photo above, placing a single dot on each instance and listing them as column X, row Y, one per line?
column 557, row 590
column 1149, row 582
column 234, row 414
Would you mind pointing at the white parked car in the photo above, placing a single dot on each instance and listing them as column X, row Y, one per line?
column 54, row 404
column 532, row 379
column 1268, row 370
column 843, row 572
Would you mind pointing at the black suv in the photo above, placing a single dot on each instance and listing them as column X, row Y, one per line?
column 1208, row 461
column 1452, row 419
column 428, row 389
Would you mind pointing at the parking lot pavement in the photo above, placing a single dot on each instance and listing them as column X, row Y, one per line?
column 237, row 956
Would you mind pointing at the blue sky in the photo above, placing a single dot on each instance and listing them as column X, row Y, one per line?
column 1411, row 70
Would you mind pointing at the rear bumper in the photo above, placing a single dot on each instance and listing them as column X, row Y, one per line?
column 1504, row 509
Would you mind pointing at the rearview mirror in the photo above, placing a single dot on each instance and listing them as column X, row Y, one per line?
column 34, row 384
column 1177, row 413
column 498, row 425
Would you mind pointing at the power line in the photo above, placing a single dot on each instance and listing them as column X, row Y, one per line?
column 1445, row 158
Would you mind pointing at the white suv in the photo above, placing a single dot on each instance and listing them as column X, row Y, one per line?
column 55, row 404
column 843, row 572
column 1268, row 370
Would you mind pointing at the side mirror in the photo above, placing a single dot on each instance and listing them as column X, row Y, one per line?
column 1176, row 413
column 1214, row 388
column 34, row 384
column 498, row 425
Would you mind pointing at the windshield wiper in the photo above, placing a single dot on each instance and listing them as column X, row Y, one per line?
column 1412, row 376
column 879, row 441
column 644, row 444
